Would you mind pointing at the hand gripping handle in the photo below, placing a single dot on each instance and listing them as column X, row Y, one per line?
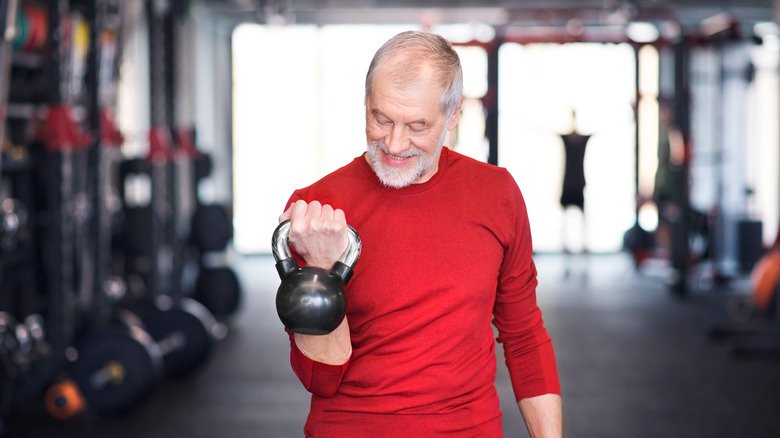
column 286, row 264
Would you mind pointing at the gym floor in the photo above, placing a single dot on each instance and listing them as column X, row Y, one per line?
column 634, row 362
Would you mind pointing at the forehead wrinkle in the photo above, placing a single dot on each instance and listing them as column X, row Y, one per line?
column 408, row 70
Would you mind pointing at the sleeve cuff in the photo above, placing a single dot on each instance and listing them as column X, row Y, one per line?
column 318, row 378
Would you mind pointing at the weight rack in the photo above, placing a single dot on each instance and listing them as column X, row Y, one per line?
column 66, row 299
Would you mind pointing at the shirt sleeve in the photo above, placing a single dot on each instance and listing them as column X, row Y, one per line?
column 318, row 378
column 528, row 349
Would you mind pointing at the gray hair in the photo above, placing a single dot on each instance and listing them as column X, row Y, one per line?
column 412, row 47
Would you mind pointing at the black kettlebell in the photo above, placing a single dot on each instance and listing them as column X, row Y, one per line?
column 310, row 300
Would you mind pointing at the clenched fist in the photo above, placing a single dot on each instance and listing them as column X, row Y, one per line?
column 318, row 233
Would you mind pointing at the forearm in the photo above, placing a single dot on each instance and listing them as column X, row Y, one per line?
column 321, row 363
column 334, row 348
column 543, row 415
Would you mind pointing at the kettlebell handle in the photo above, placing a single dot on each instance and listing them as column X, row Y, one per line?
column 286, row 263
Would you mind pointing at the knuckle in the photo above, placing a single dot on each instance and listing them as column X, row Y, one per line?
column 298, row 208
column 297, row 228
column 315, row 224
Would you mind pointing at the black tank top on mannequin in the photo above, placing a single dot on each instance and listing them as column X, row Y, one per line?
column 574, row 172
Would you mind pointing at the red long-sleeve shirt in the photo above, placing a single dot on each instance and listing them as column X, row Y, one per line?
column 441, row 261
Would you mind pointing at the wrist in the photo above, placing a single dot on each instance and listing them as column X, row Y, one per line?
column 330, row 353
column 320, row 263
column 334, row 348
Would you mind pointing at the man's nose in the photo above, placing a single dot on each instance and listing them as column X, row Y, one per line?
column 397, row 141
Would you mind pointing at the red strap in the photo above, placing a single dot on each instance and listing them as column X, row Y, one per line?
column 186, row 142
column 62, row 133
column 109, row 134
column 160, row 145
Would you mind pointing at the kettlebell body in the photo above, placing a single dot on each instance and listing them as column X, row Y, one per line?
column 311, row 300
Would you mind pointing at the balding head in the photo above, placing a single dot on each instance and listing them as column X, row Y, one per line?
column 410, row 56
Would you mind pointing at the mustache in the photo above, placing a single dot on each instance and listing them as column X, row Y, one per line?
column 411, row 152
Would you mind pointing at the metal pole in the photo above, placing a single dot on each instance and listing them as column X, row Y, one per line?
column 491, row 109
column 680, row 198
column 637, row 99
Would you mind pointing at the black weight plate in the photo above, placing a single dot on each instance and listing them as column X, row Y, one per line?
column 136, row 231
column 211, row 228
column 219, row 290
column 134, row 166
column 203, row 166
column 183, row 333
column 133, row 351
column 7, row 373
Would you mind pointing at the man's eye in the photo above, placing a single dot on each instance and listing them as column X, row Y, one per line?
column 417, row 128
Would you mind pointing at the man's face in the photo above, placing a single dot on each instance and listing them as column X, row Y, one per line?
column 405, row 129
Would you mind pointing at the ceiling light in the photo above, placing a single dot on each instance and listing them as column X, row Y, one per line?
column 642, row 32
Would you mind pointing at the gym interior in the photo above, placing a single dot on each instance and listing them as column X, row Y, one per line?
column 149, row 148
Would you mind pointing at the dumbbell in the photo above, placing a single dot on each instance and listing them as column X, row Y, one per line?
column 310, row 300
column 219, row 290
column 184, row 331
column 36, row 331
column 22, row 356
column 212, row 228
column 8, row 341
column 13, row 224
column 113, row 369
column 22, row 342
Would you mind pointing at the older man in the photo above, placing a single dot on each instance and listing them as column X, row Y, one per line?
column 446, row 251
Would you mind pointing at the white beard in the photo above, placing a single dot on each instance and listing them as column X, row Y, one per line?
column 399, row 177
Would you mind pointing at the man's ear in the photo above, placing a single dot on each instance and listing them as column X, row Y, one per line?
column 455, row 116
